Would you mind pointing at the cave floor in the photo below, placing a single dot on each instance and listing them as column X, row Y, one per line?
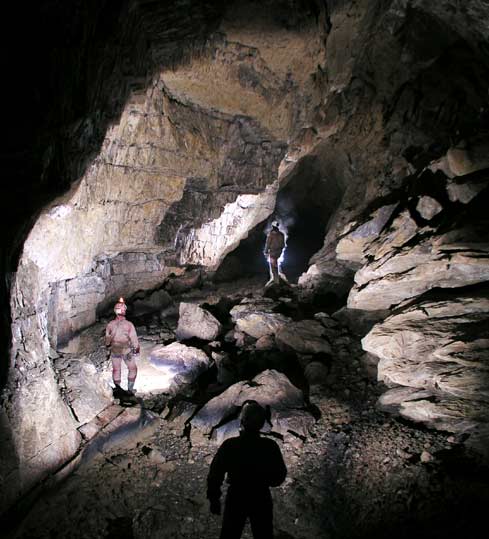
column 361, row 473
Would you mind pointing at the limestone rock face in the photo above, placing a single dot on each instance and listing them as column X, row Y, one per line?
column 178, row 142
column 407, row 260
column 413, row 272
column 42, row 434
column 196, row 322
column 437, row 350
column 350, row 247
column 74, row 303
column 170, row 157
column 86, row 391
column 156, row 301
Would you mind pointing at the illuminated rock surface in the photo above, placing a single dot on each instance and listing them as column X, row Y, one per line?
column 150, row 143
column 196, row 322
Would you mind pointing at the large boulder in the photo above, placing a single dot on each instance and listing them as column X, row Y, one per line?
column 303, row 337
column 194, row 321
column 182, row 364
column 256, row 318
column 218, row 419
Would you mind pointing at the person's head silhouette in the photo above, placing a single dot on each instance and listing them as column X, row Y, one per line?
column 252, row 416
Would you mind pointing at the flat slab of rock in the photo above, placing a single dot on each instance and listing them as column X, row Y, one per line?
column 126, row 426
column 413, row 271
column 434, row 410
column 182, row 363
column 194, row 321
column 218, row 418
column 257, row 319
column 304, row 337
column 350, row 247
column 466, row 188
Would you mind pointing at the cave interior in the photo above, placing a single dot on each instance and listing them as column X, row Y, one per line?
column 151, row 145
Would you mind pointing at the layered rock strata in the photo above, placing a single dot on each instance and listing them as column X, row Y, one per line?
column 176, row 164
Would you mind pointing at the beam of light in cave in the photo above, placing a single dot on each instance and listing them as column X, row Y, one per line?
column 151, row 383
column 152, row 378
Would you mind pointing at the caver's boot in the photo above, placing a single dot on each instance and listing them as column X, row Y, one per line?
column 118, row 392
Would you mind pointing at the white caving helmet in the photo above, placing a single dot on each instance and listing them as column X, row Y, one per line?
column 275, row 224
column 120, row 307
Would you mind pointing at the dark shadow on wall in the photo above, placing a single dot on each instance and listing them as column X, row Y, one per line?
column 10, row 484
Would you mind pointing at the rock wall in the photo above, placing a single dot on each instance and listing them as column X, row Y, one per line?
column 186, row 168
column 176, row 143
column 413, row 123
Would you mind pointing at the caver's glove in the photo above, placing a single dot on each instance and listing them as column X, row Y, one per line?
column 215, row 507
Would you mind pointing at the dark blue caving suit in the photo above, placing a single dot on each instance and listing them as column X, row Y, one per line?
column 253, row 464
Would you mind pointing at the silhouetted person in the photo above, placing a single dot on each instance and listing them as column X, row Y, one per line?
column 253, row 464
column 273, row 249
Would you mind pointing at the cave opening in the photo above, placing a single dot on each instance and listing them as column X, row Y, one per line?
column 303, row 208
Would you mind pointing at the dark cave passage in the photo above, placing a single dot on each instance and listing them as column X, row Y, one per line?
column 303, row 208
column 304, row 238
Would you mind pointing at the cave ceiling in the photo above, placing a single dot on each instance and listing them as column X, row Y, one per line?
column 147, row 138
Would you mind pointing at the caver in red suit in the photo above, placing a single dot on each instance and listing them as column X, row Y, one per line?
column 121, row 339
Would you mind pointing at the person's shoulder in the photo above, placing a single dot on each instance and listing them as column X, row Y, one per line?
column 230, row 443
column 269, row 443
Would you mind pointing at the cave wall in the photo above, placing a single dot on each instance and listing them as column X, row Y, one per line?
column 186, row 166
column 163, row 133
column 413, row 124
